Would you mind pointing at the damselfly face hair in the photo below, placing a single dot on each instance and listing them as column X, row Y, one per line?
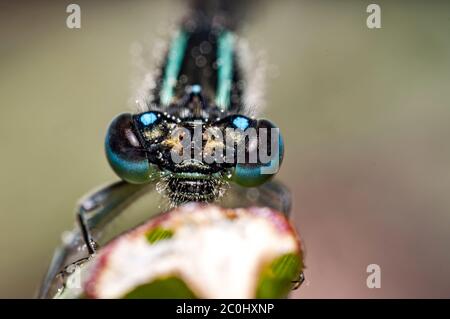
column 196, row 135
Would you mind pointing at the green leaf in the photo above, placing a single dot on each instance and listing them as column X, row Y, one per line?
column 276, row 278
column 170, row 287
column 158, row 234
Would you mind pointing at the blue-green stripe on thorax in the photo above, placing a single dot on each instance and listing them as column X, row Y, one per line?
column 173, row 66
column 225, row 68
column 225, row 53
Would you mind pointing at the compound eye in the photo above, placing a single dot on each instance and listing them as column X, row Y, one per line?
column 270, row 150
column 124, row 152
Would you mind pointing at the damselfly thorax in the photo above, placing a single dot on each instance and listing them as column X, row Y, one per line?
column 189, row 136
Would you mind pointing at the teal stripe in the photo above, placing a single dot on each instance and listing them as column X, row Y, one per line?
column 225, row 69
column 173, row 67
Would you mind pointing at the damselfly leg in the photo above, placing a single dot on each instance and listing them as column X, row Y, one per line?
column 102, row 205
column 299, row 281
column 93, row 212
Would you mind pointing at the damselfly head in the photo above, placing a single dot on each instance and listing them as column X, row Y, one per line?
column 190, row 154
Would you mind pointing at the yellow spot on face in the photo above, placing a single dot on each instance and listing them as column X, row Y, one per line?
column 153, row 133
column 174, row 142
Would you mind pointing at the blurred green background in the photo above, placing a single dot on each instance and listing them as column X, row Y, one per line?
column 365, row 115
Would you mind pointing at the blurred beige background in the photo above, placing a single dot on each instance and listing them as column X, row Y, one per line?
column 365, row 116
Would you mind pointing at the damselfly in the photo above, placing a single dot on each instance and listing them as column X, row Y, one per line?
column 199, row 96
